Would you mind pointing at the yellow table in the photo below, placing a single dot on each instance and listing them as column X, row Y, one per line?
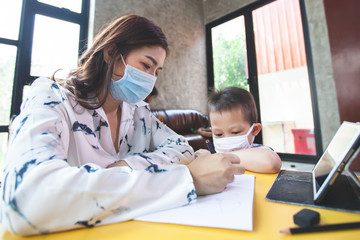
column 269, row 218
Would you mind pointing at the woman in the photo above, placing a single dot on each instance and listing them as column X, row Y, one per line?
column 87, row 151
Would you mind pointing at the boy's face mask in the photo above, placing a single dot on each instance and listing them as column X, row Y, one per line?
column 134, row 86
column 229, row 144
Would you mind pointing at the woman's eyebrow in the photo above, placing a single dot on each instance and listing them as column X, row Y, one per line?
column 152, row 59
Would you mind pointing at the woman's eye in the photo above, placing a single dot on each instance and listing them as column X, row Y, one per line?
column 236, row 133
column 218, row 134
column 146, row 66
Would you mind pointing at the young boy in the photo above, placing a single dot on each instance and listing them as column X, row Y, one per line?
column 234, row 125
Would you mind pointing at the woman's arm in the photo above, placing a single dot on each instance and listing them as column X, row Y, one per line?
column 52, row 196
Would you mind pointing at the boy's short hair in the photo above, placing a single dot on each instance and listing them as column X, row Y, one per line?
column 232, row 97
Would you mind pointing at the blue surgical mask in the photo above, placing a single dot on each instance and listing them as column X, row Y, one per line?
column 134, row 86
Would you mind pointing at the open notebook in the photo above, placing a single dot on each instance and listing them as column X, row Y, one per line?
column 232, row 208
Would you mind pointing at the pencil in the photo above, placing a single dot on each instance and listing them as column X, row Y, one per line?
column 321, row 228
column 210, row 147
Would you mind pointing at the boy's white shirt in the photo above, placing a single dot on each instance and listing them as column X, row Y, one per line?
column 55, row 177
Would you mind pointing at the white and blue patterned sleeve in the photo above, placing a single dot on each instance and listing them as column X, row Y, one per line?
column 43, row 193
column 165, row 147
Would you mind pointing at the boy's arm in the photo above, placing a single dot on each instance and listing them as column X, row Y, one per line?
column 259, row 159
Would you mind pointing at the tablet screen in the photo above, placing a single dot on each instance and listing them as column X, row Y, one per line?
column 338, row 151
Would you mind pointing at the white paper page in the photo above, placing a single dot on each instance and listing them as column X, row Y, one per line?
column 232, row 209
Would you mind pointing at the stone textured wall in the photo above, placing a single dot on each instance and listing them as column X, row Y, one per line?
column 214, row 9
column 323, row 71
column 183, row 83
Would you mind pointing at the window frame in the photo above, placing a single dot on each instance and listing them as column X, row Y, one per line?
column 252, row 70
column 24, row 43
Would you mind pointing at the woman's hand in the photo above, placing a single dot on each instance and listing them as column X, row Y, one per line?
column 202, row 152
column 120, row 163
column 211, row 173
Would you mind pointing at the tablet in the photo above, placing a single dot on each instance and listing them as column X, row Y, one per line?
column 339, row 152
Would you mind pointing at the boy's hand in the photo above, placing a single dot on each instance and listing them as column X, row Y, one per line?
column 211, row 173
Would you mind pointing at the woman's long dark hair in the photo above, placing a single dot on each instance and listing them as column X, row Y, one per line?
column 90, row 81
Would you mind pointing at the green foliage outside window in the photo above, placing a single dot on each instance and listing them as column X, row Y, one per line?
column 229, row 58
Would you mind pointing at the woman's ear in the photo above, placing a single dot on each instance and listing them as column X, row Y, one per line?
column 106, row 53
column 256, row 129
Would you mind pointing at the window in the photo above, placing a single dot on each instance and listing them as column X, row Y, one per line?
column 36, row 39
column 264, row 48
column 61, row 51
column 229, row 54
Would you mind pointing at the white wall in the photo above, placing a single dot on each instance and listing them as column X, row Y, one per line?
column 285, row 104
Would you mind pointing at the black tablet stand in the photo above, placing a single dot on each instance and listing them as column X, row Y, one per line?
column 294, row 187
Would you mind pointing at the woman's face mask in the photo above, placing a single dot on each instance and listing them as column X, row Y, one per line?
column 228, row 144
column 134, row 86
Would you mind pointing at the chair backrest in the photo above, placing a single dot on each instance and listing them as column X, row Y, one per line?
column 182, row 121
